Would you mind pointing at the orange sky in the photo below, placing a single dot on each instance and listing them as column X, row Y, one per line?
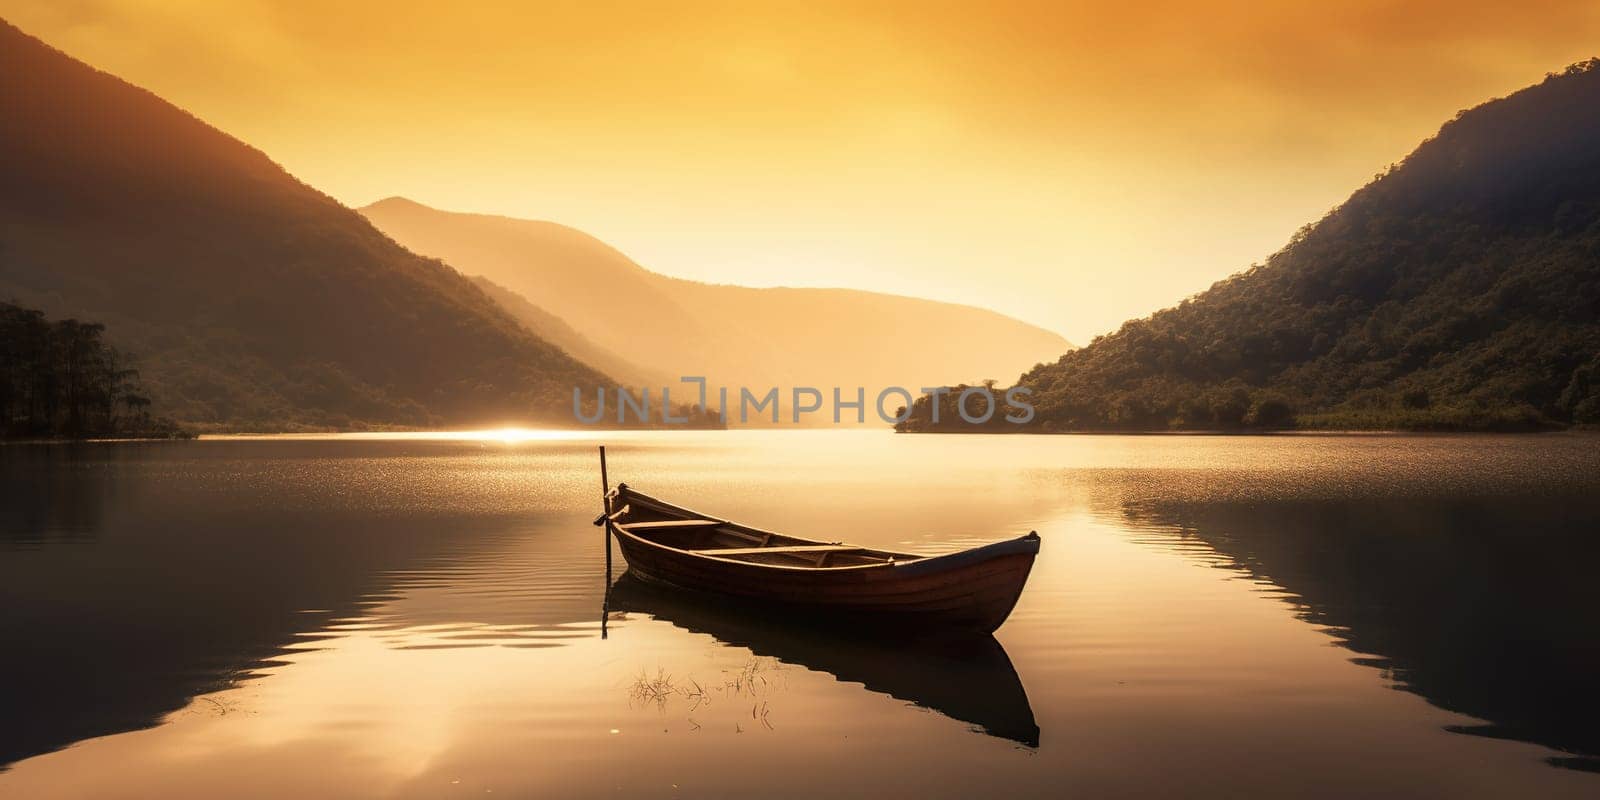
column 1071, row 164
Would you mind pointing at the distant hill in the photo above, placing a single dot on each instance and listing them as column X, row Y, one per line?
column 1458, row 290
column 734, row 335
column 555, row 330
column 253, row 300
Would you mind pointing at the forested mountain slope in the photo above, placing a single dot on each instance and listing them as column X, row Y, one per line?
column 253, row 300
column 1458, row 290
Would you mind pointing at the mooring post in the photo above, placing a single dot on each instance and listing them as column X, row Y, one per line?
column 605, row 504
column 605, row 483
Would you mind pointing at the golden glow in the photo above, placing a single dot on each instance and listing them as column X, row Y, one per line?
column 505, row 435
column 1072, row 164
column 517, row 435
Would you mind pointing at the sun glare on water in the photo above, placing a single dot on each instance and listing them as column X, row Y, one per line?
column 512, row 436
column 516, row 435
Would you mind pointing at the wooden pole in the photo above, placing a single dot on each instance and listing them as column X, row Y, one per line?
column 605, row 503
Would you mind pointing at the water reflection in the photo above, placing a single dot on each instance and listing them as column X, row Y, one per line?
column 1484, row 606
column 966, row 678
column 128, row 589
column 51, row 494
column 417, row 618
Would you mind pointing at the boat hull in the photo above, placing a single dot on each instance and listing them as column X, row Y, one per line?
column 972, row 590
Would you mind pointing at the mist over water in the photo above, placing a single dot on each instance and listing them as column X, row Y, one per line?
column 421, row 616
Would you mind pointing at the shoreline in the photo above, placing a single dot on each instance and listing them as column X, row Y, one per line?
column 518, row 435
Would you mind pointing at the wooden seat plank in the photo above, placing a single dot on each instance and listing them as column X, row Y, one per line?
column 797, row 549
column 670, row 523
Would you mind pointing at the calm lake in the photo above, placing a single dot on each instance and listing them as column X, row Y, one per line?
column 422, row 617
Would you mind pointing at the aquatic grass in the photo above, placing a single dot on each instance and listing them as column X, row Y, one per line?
column 754, row 680
column 657, row 690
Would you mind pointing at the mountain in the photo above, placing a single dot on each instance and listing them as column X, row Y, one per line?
column 1458, row 290
column 733, row 335
column 555, row 330
column 253, row 300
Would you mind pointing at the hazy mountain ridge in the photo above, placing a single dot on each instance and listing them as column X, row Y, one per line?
column 558, row 332
column 734, row 335
column 251, row 299
column 1458, row 290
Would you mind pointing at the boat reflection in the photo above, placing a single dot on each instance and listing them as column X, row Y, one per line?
column 968, row 678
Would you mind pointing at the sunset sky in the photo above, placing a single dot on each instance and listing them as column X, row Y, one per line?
column 1070, row 164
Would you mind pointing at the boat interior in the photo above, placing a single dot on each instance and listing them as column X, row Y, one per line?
column 684, row 530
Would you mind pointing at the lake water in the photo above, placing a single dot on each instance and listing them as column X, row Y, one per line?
column 422, row 617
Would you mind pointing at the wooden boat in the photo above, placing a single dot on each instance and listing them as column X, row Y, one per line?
column 971, row 590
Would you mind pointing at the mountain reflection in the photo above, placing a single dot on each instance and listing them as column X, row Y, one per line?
column 134, row 581
column 1484, row 607
column 45, row 496
column 966, row 678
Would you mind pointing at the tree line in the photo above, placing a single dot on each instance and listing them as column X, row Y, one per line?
column 61, row 379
